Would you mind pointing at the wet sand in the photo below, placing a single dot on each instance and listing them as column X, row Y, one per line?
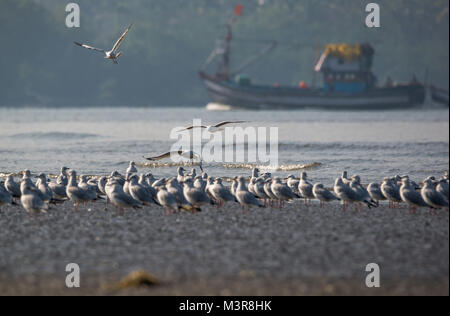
column 295, row 251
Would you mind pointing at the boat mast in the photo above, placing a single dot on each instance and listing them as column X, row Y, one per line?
column 223, row 49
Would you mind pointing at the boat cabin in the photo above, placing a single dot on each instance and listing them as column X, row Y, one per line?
column 347, row 68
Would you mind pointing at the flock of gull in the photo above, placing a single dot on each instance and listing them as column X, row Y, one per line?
column 191, row 191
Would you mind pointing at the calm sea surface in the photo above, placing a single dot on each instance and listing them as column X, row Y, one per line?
column 100, row 140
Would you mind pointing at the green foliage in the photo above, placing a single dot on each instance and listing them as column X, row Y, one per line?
column 172, row 38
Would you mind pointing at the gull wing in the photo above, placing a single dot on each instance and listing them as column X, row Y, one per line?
column 163, row 156
column 89, row 47
column 192, row 127
column 229, row 122
column 119, row 41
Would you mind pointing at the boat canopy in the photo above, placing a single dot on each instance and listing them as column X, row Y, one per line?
column 345, row 57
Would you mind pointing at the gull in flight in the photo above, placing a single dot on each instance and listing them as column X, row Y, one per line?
column 188, row 154
column 214, row 128
column 110, row 54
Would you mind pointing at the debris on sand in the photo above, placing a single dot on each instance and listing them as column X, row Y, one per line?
column 136, row 279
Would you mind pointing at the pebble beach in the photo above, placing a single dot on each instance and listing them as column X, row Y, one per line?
column 297, row 250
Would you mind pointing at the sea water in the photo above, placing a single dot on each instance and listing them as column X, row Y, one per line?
column 96, row 141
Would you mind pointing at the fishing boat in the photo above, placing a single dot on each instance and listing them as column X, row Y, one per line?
column 439, row 95
column 348, row 82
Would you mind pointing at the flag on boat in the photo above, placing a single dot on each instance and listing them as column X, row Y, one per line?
column 238, row 10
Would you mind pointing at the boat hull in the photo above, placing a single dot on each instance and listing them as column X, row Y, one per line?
column 439, row 95
column 266, row 97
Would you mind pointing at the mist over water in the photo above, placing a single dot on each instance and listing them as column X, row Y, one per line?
column 99, row 140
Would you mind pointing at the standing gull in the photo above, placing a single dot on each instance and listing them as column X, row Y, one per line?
column 244, row 197
column 433, row 198
column 268, row 191
column 150, row 179
column 234, row 185
column 391, row 191
column 90, row 188
column 209, row 185
column 259, row 190
column 282, row 192
column 76, row 194
column 410, row 196
column 62, row 178
column 362, row 191
column 143, row 180
column 31, row 201
column 119, row 198
column 199, row 183
column 12, row 187
column 101, row 183
column 196, row 197
column 251, row 185
column 361, row 195
column 132, row 168
column 180, row 176
column 120, row 179
column 293, row 183
column 167, row 200
column 5, row 196
column 220, row 193
column 442, row 188
column 110, row 54
column 159, row 183
column 126, row 185
column 345, row 178
column 344, row 192
column 139, row 192
column 323, row 195
column 305, row 188
column 42, row 185
column 375, row 192
column 174, row 188
column 58, row 189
